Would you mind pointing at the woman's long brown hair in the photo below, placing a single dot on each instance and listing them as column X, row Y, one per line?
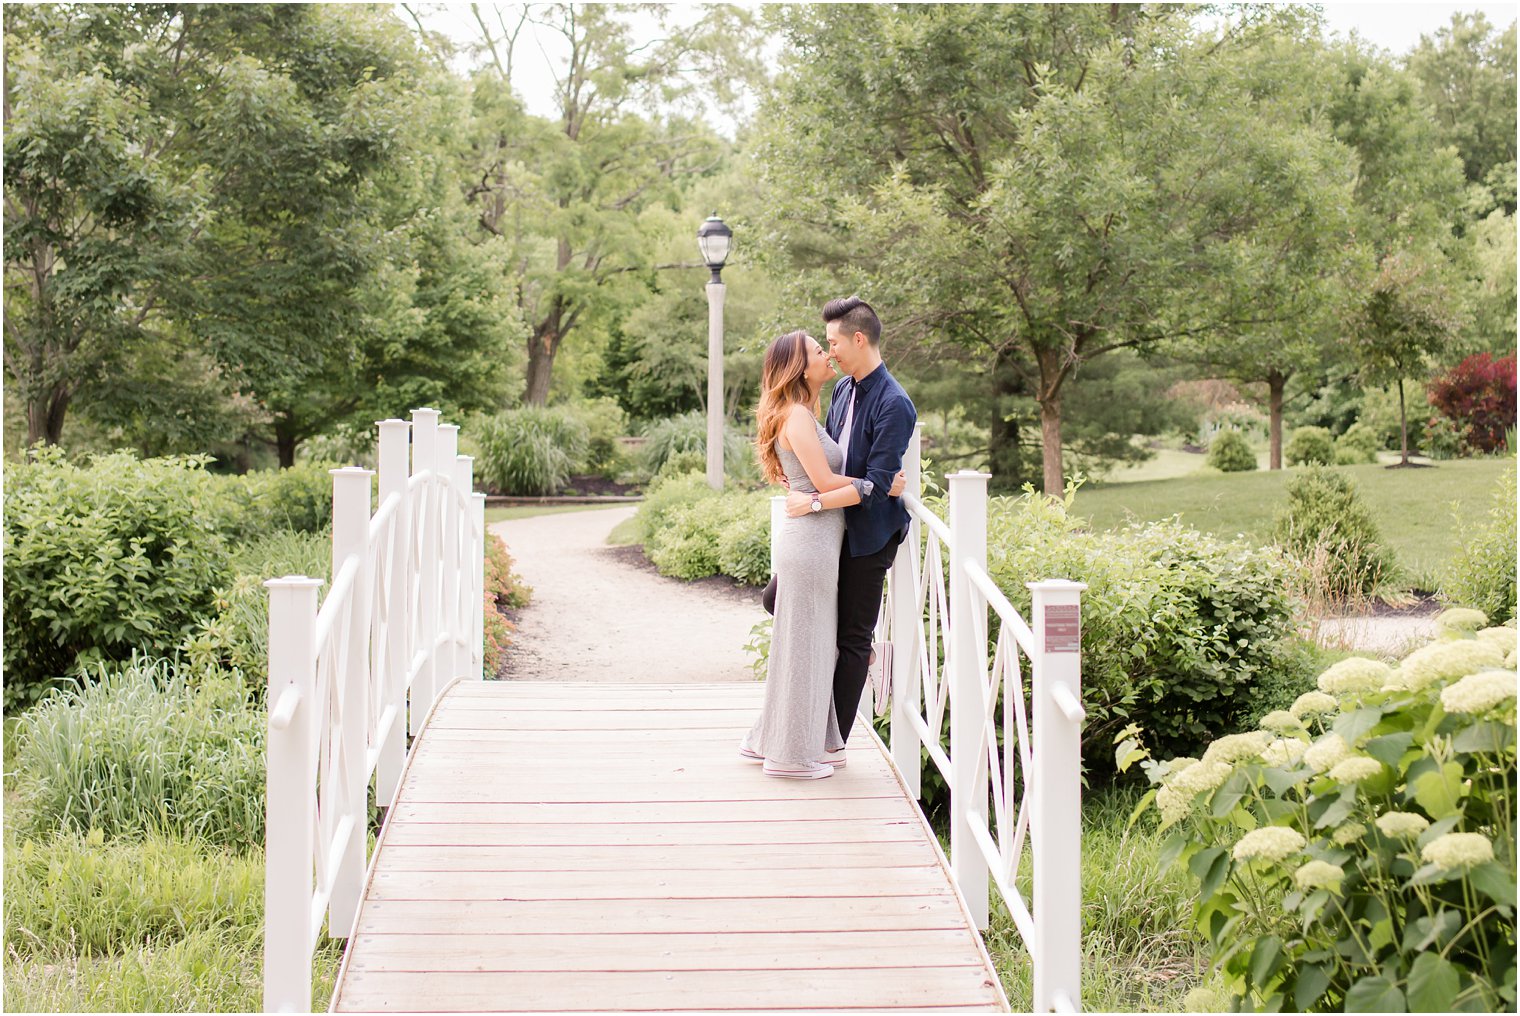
column 783, row 383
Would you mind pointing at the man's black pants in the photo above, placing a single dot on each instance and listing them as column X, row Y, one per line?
column 860, row 584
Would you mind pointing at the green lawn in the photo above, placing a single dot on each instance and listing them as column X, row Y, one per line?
column 1417, row 509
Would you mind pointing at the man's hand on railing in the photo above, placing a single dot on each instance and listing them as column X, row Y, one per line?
column 898, row 483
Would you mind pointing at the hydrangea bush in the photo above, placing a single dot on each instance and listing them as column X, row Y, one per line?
column 1357, row 853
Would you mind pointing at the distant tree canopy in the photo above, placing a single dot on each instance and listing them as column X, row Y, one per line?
column 233, row 227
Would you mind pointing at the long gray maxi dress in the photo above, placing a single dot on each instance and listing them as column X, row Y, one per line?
column 797, row 722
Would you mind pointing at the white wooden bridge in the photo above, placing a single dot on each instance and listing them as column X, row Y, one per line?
column 553, row 846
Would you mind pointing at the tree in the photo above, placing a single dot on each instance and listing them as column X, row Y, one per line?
column 1105, row 181
column 566, row 196
column 92, row 217
column 1408, row 316
column 1466, row 75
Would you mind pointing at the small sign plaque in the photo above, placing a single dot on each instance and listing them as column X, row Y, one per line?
column 1063, row 629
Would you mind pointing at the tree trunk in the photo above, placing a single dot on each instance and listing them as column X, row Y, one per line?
column 44, row 416
column 285, row 442
column 1053, row 479
column 542, row 346
column 1403, row 428
column 1004, row 455
column 1276, row 382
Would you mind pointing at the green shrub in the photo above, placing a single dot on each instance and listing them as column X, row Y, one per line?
column 688, row 433
column 666, row 494
column 1357, row 446
column 1231, row 453
column 103, row 559
column 270, row 501
column 683, row 462
column 236, row 634
column 1483, row 573
column 1327, row 527
column 1358, row 853
column 1310, row 446
column 1439, row 438
column 1178, row 626
column 686, row 547
column 142, row 750
column 530, row 451
column 82, row 892
column 744, row 543
column 605, row 422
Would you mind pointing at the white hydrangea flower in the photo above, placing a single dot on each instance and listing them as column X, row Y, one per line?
column 1313, row 703
column 1401, row 825
column 1172, row 805
column 1318, row 875
column 1283, row 752
column 1355, row 769
column 1348, row 834
column 1501, row 636
column 1461, row 619
column 1478, row 693
column 1198, row 778
column 1509, row 661
column 1447, row 661
column 1458, row 850
column 1326, row 752
column 1234, row 747
column 1269, row 843
column 1280, row 721
column 1355, row 675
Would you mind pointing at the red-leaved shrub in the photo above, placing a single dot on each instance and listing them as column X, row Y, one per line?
column 1478, row 395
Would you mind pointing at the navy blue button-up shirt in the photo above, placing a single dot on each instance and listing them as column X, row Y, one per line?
column 879, row 435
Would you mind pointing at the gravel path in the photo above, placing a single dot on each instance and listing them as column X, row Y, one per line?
column 602, row 613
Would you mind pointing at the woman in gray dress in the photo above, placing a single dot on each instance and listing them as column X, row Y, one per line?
column 797, row 735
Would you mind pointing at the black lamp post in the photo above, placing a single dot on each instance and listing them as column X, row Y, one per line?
column 715, row 240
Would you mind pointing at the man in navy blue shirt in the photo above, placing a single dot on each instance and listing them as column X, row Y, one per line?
column 872, row 419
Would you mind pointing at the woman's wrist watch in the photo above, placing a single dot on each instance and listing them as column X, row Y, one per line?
column 817, row 504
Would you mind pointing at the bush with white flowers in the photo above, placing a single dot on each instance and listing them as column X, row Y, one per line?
column 1357, row 853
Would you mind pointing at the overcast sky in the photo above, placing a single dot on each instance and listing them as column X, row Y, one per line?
column 1394, row 26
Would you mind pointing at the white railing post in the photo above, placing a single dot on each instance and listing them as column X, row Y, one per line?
column 1055, row 792
column 907, row 628
column 478, row 601
column 966, row 660
column 392, row 460
column 448, row 607
column 425, row 623
column 471, row 561
column 351, row 487
column 290, row 827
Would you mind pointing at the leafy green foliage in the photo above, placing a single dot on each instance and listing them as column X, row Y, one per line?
column 1358, row 852
column 1357, row 446
column 687, row 433
column 691, row 531
column 104, row 559
column 1310, row 446
column 1483, row 573
column 504, row 590
column 1231, row 453
column 235, row 636
column 530, row 451
column 143, row 749
column 1326, row 525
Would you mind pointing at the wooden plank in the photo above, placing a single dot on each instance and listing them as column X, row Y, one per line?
column 668, row 884
column 674, row 768
column 684, row 857
column 718, row 915
column 835, row 835
column 505, row 718
column 887, row 948
column 642, row 991
column 780, row 808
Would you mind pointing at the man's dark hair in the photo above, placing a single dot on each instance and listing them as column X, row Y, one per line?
column 854, row 315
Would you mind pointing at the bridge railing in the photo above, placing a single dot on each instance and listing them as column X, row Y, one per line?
column 347, row 679
column 1013, row 743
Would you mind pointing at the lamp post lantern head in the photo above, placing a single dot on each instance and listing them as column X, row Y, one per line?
column 715, row 240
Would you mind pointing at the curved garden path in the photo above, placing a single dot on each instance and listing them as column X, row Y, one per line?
column 601, row 613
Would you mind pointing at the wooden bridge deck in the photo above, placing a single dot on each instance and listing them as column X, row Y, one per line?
column 592, row 847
